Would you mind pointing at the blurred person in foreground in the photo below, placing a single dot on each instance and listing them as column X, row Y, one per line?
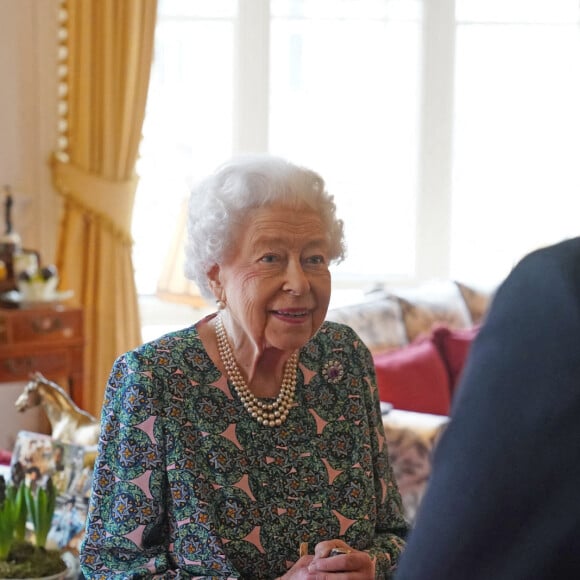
column 229, row 445
column 503, row 498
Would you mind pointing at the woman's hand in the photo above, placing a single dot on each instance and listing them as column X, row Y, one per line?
column 350, row 565
column 299, row 571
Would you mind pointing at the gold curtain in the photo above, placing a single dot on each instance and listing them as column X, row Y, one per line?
column 106, row 48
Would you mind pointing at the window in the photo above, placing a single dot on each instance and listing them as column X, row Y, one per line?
column 344, row 99
column 187, row 129
column 448, row 131
column 337, row 89
column 517, row 132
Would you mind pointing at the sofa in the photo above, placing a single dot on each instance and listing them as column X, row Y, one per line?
column 419, row 338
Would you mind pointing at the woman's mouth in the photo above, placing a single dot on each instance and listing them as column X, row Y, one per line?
column 291, row 314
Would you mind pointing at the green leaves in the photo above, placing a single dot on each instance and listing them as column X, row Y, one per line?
column 41, row 503
column 8, row 519
column 19, row 502
column 16, row 496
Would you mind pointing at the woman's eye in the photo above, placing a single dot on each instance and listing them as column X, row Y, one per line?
column 316, row 260
column 268, row 258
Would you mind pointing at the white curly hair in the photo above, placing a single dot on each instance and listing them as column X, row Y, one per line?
column 220, row 201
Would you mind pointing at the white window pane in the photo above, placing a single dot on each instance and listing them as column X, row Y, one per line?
column 188, row 125
column 348, row 9
column 344, row 100
column 197, row 8
column 517, row 145
column 520, row 11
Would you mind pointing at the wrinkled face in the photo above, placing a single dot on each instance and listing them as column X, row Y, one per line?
column 276, row 280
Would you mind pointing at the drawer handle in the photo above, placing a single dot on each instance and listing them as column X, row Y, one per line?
column 46, row 325
column 19, row 366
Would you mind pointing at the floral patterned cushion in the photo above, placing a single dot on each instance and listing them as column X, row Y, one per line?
column 411, row 439
column 437, row 302
column 378, row 322
column 390, row 318
column 477, row 301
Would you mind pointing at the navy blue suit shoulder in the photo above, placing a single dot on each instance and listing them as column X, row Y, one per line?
column 502, row 498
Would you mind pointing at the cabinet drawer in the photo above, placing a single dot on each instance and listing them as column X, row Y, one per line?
column 41, row 326
column 18, row 367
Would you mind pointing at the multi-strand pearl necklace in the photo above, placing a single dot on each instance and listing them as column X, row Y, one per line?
column 267, row 414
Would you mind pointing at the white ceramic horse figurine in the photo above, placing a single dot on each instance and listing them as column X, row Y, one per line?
column 69, row 423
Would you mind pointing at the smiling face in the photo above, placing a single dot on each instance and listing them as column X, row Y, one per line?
column 275, row 281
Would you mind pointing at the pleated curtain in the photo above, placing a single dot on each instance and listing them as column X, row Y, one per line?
column 106, row 48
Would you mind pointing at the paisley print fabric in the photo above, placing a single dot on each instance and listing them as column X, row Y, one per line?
column 188, row 485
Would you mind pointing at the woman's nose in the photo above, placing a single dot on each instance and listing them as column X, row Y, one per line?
column 296, row 279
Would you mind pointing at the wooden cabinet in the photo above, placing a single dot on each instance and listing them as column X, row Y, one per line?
column 48, row 339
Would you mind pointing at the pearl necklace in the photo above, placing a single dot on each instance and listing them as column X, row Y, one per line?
column 267, row 414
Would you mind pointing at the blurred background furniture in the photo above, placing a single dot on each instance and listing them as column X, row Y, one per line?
column 420, row 338
column 48, row 339
column 411, row 440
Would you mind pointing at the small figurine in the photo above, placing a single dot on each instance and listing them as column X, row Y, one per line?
column 8, row 210
column 10, row 236
column 10, row 243
column 69, row 423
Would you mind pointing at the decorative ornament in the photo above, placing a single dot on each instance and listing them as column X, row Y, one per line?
column 267, row 414
column 333, row 371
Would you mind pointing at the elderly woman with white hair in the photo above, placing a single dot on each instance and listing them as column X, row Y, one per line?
column 249, row 445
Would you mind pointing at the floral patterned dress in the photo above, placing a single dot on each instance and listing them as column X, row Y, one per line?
column 188, row 485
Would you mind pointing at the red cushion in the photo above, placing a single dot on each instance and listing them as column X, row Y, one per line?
column 454, row 347
column 414, row 378
column 5, row 457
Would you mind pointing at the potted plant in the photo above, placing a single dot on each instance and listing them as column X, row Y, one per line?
column 20, row 558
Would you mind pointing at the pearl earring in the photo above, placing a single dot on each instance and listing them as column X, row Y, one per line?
column 220, row 304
